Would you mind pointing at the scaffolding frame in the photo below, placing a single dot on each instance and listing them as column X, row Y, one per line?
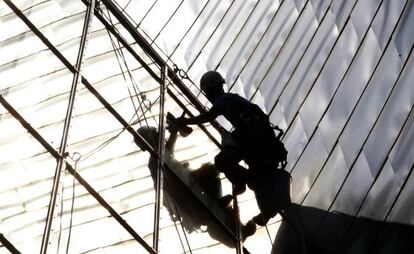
column 166, row 72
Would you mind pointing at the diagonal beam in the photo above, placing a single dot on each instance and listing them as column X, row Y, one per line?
column 9, row 246
column 151, row 52
column 128, row 47
column 65, row 133
column 107, row 105
column 143, row 43
column 72, row 69
column 78, row 177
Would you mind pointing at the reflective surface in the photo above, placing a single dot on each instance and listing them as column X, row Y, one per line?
column 335, row 75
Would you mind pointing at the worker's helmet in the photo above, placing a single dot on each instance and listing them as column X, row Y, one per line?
column 150, row 134
column 211, row 79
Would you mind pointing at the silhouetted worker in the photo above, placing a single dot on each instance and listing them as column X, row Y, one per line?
column 253, row 136
column 179, row 200
column 253, row 141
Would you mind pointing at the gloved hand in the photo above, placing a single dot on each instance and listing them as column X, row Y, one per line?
column 179, row 125
column 180, row 121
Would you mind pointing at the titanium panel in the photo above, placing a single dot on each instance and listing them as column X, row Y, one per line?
column 282, row 67
column 391, row 120
column 370, row 104
column 328, row 80
column 326, row 186
column 299, row 84
column 295, row 141
column 203, row 29
column 386, row 19
column 228, row 32
column 354, row 188
column 387, row 120
column 351, row 87
column 176, row 29
column 267, row 50
column 405, row 35
column 403, row 210
column 307, row 168
column 242, row 51
column 156, row 19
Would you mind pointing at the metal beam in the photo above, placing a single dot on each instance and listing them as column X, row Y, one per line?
column 125, row 44
column 84, row 81
column 160, row 161
column 151, row 52
column 156, row 57
column 65, row 132
column 107, row 105
column 8, row 245
column 69, row 168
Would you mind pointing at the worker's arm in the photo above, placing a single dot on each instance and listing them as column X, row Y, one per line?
column 208, row 116
column 170, row 144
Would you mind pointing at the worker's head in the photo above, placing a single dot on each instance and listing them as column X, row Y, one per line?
column 150, row 135
column 211, row 83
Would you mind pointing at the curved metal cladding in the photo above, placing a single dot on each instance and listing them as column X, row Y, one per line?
column 337, row 76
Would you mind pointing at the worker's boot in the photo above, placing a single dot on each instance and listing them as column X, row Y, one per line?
column 225, row 201
column 260, row 219
column 248, row 230
column 239, row 188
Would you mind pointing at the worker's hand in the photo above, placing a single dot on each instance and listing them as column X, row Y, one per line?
column 180, row 121
column 172, row 129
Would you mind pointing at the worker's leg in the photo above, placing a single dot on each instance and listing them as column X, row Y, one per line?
column 227, row 161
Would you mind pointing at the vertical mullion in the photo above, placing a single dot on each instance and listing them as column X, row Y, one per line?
column 62, row 149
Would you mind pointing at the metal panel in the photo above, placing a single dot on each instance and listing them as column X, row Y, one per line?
column 386, row 20
column 327, row 81
column 385, row 131
column 370, row 105
column 405, row 35
column 229, row 32
column 268, row 49
column 390, row 121
column 282, row 67
column 296, row 139
column 351, row 87
column 313, row 59
column 307, row 168
column 203, row 29
column 403, row 209
column 156, row 19
column 241, row 52
column 322, row 194
column 354, row 188
column 176, row 28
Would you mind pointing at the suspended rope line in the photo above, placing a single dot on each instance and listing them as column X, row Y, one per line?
column 61, row 210
column 268, row 234
column 146, row 14
column 166, row 23
column 137, row 91
column 76, row 158
column 188, row 30
column 107, row 142
column 123, row 9
column 179, row 236
column 182, row 227
column 156, row 45
column 120, row 65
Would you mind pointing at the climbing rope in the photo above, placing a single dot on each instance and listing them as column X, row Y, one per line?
column 75, row 158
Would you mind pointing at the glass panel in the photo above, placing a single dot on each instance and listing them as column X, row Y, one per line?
column 26, row 176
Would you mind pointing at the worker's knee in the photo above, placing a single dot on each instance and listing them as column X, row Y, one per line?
column 221, row 162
